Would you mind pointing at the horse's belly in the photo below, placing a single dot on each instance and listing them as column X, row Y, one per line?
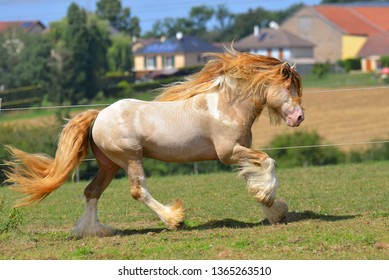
column 180, row 151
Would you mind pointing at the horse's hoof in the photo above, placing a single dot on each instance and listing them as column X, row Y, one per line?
column 276, row 214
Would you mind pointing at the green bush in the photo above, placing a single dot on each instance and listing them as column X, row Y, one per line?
column 29, row 139
column 377, row 152
column 350, row 64
column 287, row 156
column 384, row 60
column 321, row 69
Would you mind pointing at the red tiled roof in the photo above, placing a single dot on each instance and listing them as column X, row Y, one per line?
column 357, row 20
column 25, row 25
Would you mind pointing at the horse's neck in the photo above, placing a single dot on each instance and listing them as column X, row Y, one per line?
column 244, row 111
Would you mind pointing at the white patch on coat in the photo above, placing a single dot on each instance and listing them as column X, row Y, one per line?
column 212, row 102
column 88, row 224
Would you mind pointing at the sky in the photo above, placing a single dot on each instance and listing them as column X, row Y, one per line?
column 148, row 11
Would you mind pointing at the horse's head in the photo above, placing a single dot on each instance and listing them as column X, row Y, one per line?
column 282, row 93
column 271, row 82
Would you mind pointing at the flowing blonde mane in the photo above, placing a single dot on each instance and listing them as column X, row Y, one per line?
column 240, row 75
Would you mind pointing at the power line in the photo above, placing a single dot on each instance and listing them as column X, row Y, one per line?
column 102, row 105
column 298, row 147
column 261, row 149
column 54, row 107
column 145, row 8
column 324, row 145
column 348, row 89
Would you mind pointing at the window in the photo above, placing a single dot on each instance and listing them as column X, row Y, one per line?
column 150, row 62
column 287, row 54
column 259, row 51
column 168, row 61
column 305, row 25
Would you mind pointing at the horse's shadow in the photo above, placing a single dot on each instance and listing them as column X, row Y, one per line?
column 292, row 217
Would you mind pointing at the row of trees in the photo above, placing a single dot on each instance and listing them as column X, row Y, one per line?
column 70, row 60
column 228, row 26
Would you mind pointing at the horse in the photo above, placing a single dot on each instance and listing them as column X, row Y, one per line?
column 208, row 116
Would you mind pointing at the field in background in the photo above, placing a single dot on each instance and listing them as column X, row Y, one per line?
column 336, row 212
column 338, row 115
column 334, row 106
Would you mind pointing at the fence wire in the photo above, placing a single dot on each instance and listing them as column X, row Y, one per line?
column 261, row 149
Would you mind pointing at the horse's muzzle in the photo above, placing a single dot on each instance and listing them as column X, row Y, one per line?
column 295, row 118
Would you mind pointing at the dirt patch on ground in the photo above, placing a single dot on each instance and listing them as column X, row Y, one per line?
column 339, row 116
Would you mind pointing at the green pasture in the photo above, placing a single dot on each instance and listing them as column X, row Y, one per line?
column 336, row 212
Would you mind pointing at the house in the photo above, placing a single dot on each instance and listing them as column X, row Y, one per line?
column 12, row 44
column 139, row 43
column 170, row 55
column 278, row 43
column 29, row 26
column 376, row 46
column 339, row 31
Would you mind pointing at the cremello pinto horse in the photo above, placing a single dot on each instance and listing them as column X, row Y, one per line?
column 207, row 117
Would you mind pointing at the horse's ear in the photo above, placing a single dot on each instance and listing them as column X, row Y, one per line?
column 285, row 69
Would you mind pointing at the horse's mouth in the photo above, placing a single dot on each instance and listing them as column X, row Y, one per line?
column 293, row 121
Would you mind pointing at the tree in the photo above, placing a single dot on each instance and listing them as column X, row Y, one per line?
column 23, row 59
column 119, row 54
column 196, row 24
column 224, row 18
column 119, row 17
column 200, row 15
column 76, row 40
column 79, row 58
column 344, row 1
column 97, row 64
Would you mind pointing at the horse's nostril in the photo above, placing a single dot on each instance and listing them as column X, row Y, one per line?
column 300, row 118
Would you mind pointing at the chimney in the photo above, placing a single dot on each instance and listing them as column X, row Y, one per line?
column 179, row 35
column 256, row 31
column 274, row 25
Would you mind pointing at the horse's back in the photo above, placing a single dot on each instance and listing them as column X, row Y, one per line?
column 162, row 130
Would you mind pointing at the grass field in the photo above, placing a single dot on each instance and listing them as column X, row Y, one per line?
column 336, row 212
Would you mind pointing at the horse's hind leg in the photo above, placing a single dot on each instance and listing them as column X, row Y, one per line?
column 172, row 215
column 88, row 224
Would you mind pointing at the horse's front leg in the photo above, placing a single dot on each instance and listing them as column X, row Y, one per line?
column 259, row 171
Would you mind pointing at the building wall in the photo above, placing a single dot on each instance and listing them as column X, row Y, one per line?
column 301, row 53
column 139, row 63
column 307, row 24
column 194, row 59
column 352, row 45
column 370, row 63
column 179, row 60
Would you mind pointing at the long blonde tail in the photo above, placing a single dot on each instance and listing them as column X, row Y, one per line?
column 37, row 175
